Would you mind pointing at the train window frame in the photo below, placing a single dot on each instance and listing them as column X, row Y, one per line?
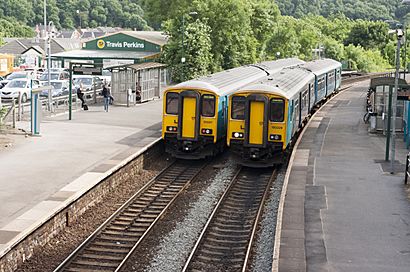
column 243, row 98
column 283, row 111
column 208, row 114
column 167, row 104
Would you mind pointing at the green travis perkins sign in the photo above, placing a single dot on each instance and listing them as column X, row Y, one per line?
column 122, row 42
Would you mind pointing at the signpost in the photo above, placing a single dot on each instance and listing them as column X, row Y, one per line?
column 36, row 109
column 81, row 69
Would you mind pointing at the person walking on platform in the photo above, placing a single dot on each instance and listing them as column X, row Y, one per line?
column 107, row 97
column 80, row 95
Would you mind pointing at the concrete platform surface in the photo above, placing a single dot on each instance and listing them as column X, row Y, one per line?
column 39, row 173
column 342, row 211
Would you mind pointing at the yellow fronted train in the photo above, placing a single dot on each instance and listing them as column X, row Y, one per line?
column 195, row 112
column 265, row 116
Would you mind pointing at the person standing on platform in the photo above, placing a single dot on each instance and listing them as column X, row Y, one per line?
column 107, row 97
column 80, row 95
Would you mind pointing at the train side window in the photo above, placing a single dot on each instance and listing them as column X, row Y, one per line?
column 172, row 103
column 208, row 105
column 238, row 107
column 277, row 110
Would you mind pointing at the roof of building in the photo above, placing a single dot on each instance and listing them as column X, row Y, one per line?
column 104, row 54
column 19, row 46
column 139, row 66
column 155, row 37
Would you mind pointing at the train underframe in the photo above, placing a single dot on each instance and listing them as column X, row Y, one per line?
column 201, row 148
column 271, row 155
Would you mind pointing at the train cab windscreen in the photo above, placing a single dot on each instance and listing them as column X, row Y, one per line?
column 238, row 107
column 208, row 105
column 277, row 112
column 172, row 103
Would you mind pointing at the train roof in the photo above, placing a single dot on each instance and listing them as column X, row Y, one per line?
column 274, row 66
column 321, row 66
column 228, row 81
column 286, row 83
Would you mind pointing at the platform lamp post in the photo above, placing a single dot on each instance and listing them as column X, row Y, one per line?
column 79, row 16
column 399, row 33
column 45, row 32
column 50, row 100
column 405, row 2
column 183, row 52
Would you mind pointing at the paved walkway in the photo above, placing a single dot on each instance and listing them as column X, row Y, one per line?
column 343, row 210
column 37, row 167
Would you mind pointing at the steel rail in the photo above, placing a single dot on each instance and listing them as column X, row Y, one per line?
column 162, row 198
column 234, row 191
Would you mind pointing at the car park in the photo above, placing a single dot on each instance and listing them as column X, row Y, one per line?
column 15, row 75
column 60, row 75
column 19, row 86
column 60, row 87
column 88, row 82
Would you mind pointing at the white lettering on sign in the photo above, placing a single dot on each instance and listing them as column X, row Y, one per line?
column 114, row 45
column 124, row 44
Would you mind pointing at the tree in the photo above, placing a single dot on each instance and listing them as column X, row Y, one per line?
column 196, row 48
column 368, row 34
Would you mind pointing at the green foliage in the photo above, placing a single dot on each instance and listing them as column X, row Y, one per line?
column 369, row 34
column 11, row 28
column 196, row 49
column 353, row 9
column 91, row 13
column 365, row 60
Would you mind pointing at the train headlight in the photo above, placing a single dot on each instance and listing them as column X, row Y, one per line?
column 237, row 135
column 275, row 137
column 172, row 129
column 206, row 131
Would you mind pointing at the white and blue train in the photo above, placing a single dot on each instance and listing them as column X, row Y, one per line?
column 265, row 116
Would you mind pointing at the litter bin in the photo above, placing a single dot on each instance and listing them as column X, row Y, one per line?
column 372, row 120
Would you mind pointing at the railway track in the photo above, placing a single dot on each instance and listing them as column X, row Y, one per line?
column 108, row 248
column 226, row 240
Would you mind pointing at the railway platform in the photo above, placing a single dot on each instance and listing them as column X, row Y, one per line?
column 38, row 174
column 343, row 210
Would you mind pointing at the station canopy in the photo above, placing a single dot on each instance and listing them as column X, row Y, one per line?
column 125, row 47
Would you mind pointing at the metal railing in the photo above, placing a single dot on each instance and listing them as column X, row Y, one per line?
column 59, row 104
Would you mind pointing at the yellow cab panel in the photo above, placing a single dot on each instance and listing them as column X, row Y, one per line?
column 277, row 119
column 256, row 116
column 189, row 117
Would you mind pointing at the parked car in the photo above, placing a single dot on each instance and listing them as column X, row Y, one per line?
column 53, row 76
column 60, row 87
column 106, row 77
column 88, row 82
column 15, row 75
column 19, row 85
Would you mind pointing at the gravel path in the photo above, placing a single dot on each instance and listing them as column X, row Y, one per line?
column 262, row 262
column 175, row 247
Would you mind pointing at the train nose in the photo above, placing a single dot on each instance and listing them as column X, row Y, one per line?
column 254, row 153
column 187, row 146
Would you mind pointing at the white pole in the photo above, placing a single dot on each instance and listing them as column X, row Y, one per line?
column 394, row 103
column 45, row 30
column 50, row 100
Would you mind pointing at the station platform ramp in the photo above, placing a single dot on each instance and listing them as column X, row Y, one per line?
column 344, row 210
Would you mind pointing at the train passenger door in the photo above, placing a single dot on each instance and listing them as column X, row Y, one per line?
column 256, row 121
column 188, row 120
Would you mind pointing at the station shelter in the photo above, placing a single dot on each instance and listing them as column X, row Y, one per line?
column 131, row 56
column 380, row 89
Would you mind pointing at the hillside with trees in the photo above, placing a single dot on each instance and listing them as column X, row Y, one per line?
column 222, row 34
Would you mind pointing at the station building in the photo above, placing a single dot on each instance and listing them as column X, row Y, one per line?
column 132, row 56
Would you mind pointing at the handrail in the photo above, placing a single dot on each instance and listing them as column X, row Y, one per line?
column 406, row 173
